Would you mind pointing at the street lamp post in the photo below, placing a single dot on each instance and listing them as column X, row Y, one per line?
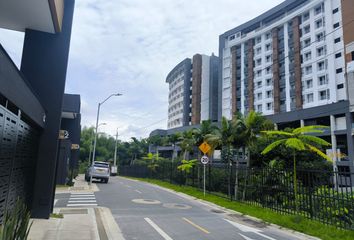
column 91, row 142
column 115, row 168
column 95, row 141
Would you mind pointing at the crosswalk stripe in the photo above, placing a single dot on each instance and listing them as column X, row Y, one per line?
column 88, row 198
column 81, row 193
column 81, row 204
column 82, row 201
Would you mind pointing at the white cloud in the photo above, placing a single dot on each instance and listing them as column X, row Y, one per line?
column 129, row 46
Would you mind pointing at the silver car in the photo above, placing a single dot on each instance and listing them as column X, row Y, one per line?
column 99, row 170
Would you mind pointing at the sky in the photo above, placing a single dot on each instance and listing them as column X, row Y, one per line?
column 129, row 47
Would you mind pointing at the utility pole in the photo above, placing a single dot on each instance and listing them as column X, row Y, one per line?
column 115, row 167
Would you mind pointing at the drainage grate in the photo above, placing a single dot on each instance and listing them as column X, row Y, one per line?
column 73, row 211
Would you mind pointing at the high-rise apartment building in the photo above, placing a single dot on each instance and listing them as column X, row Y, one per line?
column 193, row 95
column 294, row 64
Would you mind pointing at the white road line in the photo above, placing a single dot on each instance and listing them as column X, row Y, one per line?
column 138, row 191
column 84, row 204
column 82, row 193
column 158, row 229
column 82, row 201
column 86, row 198
column 245, row 228
column 76, row 196
column 245, row 237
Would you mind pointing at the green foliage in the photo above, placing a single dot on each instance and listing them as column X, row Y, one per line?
column 153, row 161
column 16, row 225
column 187, row 165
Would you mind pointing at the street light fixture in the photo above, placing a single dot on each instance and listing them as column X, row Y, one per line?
column 98, row 115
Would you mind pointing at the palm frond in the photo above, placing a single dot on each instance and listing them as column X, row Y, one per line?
column 273, row 145
column 310, row 129
column 295, row 143
column 275, row 132
column 313, row 139
column 319, row 152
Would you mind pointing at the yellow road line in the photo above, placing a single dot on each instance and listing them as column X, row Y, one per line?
column 196, row 226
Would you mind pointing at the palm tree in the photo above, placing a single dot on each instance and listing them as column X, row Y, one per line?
column 247, row 130
column 223, row 137
column 173, row 139
column 298, row 140
column 206, row 128
column 187, row 142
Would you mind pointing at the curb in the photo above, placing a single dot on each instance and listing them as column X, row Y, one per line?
column 111, row 228
column 229, row 211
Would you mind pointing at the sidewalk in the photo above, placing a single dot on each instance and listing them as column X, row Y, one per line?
column 77, row 223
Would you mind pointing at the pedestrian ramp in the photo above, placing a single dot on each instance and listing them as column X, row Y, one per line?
column 86, row 199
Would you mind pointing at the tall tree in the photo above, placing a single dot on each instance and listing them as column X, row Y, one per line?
column 298, row 140
column 187, row 142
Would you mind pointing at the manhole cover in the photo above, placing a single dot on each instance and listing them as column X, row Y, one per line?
column 176, row 206
column 146, row 201
column 73, row 211
column 217, row 211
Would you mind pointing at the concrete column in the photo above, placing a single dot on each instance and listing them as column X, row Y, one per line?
column 333, row 141
column 350, row 142
column 44, row 64
column 302, row 123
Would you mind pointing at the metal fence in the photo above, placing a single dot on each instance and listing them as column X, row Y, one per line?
column 325, row 196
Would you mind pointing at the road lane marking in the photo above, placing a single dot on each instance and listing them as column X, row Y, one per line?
column 82, row 193
column 76, row 196
column 82, row 201
column 245, row 237
column 81, row 204
column 196, row 226
column 83, row 198
column 245, row 228
column 138, row 191
column 158, row 229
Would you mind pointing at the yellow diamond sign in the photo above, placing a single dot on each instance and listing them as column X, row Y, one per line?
column 204, row 147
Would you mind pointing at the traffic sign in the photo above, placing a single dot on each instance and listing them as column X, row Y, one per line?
column 204, row 147
column 204, row 160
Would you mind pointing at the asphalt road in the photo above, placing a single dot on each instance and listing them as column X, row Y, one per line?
column 147, row 212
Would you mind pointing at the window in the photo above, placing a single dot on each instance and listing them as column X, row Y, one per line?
column 259, row 96
column 340, row 86
column 307, row 56
column 308, row 70
column 308, row 83
column 306, row 16
column 268, row 70
column 268, row 58
column 268, row 47
column 269, row 82
column 353, row 56
column 322, row 80
column 338, row 55
column 306, row 29
column 259, row 61
column 309, row 98
column 269, row 106
column 320, row 37
column 337, row 40
column 319, row 23
column 319, row 9
column 258, row 40
column 335, row 10
column 321, row 66
column 259, row 73
column 258, row 50
column 269, row 94
column 232, row 37
column 268, row 35
column 259, row 84
column 323, row 95
column 339, row 70
column 306, row 43
column 336, row 25
column 320, row 51
column 259, row 108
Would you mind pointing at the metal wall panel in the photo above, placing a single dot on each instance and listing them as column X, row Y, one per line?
column 18, row 146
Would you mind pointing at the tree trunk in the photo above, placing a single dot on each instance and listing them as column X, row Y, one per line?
column 236, row 178
column 246, row 177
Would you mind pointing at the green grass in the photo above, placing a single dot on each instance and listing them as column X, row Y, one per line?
column 297, row 223
column 56, row 215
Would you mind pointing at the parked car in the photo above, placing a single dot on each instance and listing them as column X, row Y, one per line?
column 99, row 170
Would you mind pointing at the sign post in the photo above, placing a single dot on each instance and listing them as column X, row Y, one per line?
column 205, row 148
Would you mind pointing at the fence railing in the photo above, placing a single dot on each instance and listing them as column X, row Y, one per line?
column 325, row 196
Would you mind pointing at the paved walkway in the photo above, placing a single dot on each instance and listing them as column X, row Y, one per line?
column 82, row 218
